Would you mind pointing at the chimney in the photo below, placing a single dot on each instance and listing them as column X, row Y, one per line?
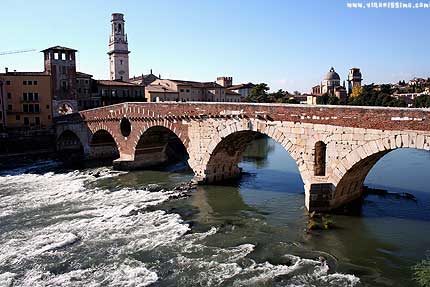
column 151, row 72
column 159, row 76
column 6, row 70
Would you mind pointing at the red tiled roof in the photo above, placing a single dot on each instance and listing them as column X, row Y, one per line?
column 241, row 86
column 159, row 89
column 197, row 84
column 115, row 83
column 60, row 48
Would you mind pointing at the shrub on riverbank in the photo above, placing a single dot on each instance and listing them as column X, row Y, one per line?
column 422, row 273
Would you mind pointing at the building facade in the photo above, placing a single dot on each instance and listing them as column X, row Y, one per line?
column 27, row 99
column 354, row 79
column 86, row 87
column 114, row 92
column 60, row 63
column 2, row 107
column 118, row 49
column 188, row 91
column 331, row 86
column 244, row 90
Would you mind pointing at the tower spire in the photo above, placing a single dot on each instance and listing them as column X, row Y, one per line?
column 118, row 49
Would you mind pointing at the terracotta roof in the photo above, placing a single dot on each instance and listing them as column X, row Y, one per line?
column 60, row 48
column 83, row 75
column 115, row 83
column 159, row 89
column 197, row 84
column 13, row 73
column 241, row 86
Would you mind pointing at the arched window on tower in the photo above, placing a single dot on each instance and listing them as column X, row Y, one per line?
column 119, row 28
column 320, row 155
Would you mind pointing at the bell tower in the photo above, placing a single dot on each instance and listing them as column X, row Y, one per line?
column 118, row 49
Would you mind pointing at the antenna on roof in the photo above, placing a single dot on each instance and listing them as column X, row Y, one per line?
column 16, row 51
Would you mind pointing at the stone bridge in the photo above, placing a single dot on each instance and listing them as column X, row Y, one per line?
column 334, row 147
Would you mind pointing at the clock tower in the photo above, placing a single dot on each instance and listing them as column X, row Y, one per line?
column 118, row 49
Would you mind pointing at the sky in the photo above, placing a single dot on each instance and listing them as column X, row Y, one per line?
column 287, row 44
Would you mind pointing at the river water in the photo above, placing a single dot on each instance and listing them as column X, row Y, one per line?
column 98, row 227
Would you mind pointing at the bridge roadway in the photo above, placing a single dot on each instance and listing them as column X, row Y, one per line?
column 334, row 147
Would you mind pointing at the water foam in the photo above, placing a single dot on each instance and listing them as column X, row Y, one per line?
column 89, row 219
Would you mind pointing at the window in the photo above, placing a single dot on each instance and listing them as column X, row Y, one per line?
column 36, row 108
column 25, row 108
column 18, row 117
column 188, row 90
column 30, row 96
column 120, row 61
column 24, row 83
column 25, row 97
column 86, row 82
column 36, row 96
column 29, row 83
column 47, row 107
column 79, row 90
column 26, row 121
column 9, row 95
column 182, row 90
column 37, row 120
column 7, row 83
column 31, row 108
column 49, row 117
column 320, row 155
column 9, row 107
column 77, row 81
column 35, row 83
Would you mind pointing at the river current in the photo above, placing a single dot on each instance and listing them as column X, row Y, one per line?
column 99, row 227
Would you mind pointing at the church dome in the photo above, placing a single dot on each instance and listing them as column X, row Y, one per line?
column 332, row 75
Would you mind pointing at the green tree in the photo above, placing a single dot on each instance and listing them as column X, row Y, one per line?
column 422, row 101
column 258, row 94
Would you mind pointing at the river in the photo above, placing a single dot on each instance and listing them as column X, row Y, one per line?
column 98, row 227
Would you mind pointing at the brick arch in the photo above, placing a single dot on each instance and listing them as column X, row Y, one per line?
column 255, row 126
column 95, row 127
column 351, row 171
column 138, row 130
column 76, row 133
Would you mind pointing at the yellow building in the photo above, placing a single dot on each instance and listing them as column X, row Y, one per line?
column 27, row 99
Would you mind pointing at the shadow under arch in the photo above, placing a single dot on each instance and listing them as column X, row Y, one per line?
column 159, row 147
column 103, row 146
column 69, row 146
column 224, row 159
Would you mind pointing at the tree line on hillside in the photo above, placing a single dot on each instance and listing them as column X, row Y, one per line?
column 260, row 94
column 368, row 95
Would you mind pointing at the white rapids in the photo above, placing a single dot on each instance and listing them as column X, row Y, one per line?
column 58, row 230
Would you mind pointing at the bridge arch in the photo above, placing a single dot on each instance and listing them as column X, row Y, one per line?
column 225, row 149
column 70, row 146
column 158, row 145
column 103, row 145
column 350, row 173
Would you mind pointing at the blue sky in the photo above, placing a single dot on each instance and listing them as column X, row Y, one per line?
column 287, row 44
